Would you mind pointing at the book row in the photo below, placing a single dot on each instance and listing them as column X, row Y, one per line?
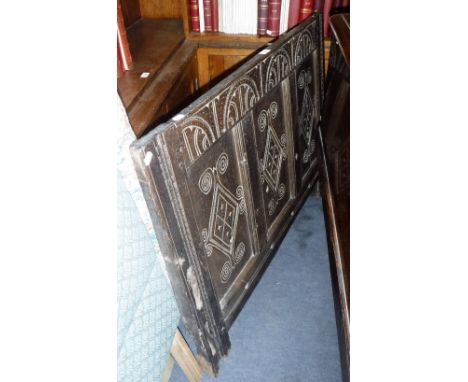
column 257, row 17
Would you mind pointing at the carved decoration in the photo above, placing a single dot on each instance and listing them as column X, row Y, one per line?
column 198, row 136
column 235, row 223
column 303, row 47
column 278, row 68
column 241, row 97
column 224, row 215
column 307, row 115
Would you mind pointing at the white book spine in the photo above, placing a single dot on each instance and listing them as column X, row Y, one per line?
column 284, row 16
column 201, row 12
column 220, row 16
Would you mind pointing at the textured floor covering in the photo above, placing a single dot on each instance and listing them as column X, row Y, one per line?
column 286, row 331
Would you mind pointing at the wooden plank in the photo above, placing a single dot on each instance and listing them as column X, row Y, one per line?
column 184, row 6
column 185, row 358
column 131, row 11
column 212, row 61
column 145, row 107
column 166, row 376
column 340, row 26
column 144, row 36
column 226, row 37
column 161, row 9
column 122, row 40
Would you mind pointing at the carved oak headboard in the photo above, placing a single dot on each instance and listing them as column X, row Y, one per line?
column 224, row 178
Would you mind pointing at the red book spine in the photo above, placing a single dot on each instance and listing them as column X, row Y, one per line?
column 306, row 9
column 215, row 16
column 207, row 6
column 294, row 7
column 336, row 4
column 326, row 15
column 274, row 13
column 194, row 16
column 262, row 20
column 345, row 3
column 318, row 6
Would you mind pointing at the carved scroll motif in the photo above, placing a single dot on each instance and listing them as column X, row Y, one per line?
column 224, row 216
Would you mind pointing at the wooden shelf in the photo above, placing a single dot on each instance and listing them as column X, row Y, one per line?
column 151, row 42
column 226, row 37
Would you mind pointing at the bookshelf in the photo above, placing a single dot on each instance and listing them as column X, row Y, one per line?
column 171, row 64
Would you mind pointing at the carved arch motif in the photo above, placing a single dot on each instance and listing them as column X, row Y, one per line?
column 278, row 68
column 242, row 96
column 303, row 47
column 198, row 136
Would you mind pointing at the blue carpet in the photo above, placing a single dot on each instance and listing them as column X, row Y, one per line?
column 286, row 331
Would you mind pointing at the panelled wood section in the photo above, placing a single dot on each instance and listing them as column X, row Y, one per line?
column 212, row 62
column 335, row 158
column 225, row 177
column 161, row 9
column 131, row 11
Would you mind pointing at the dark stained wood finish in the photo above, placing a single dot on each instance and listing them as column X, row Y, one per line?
column 144, row 108
column 131, row 11
column 229, row 38
column 335, row 159
column 123, row 49
column 225, row 177
column 152, row 42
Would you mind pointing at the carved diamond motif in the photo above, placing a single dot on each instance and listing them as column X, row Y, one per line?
column 273, row 159
column 223, row 220
column 307, row 120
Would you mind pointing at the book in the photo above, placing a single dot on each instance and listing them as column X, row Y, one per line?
column 284, row 16
column 318, row 6
column 207, row 6
column 202, row 15
column 306, row 9
column 274, row 13
column 294, row 7
column 194, row 16
column 239, row 16
column 215, row 15
column 326, row 16
column 262, row 19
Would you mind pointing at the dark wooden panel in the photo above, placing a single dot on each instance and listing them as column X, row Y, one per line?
column 335, row 158
column 131, row 11
column 223, row 182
